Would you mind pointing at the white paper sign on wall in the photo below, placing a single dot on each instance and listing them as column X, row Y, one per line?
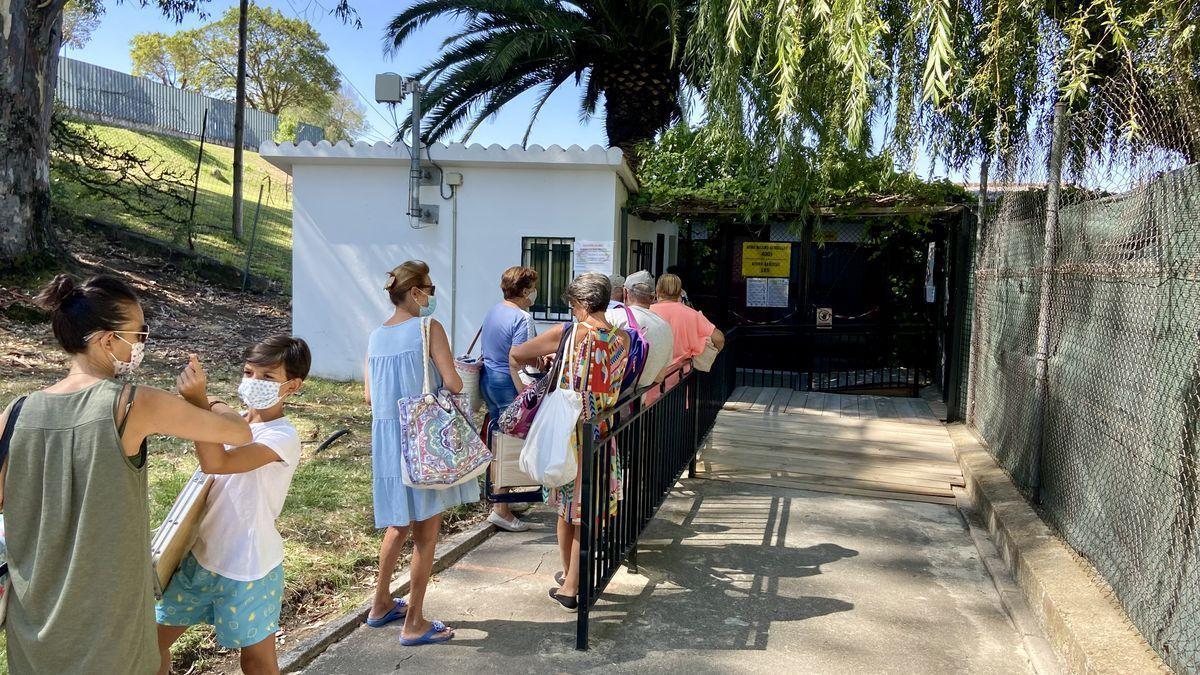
column 594, row 256
column 765, row 292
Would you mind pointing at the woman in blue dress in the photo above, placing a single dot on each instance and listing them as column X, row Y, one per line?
column 394, row 370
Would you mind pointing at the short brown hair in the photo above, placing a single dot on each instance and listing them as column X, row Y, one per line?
column 292, row 352
column 516, row 281
column 670, row 287
column 405, row 277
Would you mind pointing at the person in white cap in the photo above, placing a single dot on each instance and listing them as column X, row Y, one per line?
column 639, row 295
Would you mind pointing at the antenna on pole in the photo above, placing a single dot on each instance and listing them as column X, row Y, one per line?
column 391, row 88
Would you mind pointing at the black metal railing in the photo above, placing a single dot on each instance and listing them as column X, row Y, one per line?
column 850, row 358
column 657, row 432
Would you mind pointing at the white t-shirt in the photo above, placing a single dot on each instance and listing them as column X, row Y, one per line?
column 237, row 538
column 656, row 331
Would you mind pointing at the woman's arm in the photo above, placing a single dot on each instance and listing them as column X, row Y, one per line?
column 718, row 339
column 158, row 412
column 529, row 352
column 439, row 351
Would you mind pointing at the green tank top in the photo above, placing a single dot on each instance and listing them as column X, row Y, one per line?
column 77, row 522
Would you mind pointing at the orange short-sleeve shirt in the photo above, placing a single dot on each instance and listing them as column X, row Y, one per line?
column 689, row 327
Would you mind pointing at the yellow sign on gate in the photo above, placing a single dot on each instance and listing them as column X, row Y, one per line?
column 763, row 259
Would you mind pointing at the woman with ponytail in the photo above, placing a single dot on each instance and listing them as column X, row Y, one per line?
column 74, row 493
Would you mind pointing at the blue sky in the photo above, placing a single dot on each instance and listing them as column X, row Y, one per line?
column 358, row 53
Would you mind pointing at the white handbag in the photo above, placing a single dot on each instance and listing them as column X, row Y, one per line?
column 470, row 369
column 705, row 359
column 547, row 456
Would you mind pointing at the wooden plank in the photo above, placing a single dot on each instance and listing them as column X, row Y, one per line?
column 947, row 470
column 866, row 408
column 821, row 475
column 942, row 490
column 816, row 443
column 744, row 460
column 778, row 404
column 884, row 408
column 789, row 425
column 764, row 398
column 848, row 405
column 817, row 402
column 818, row 487
column 906, row 412
column 806, row 416
column 796, row 403
column 925, row 412
column 738, row 400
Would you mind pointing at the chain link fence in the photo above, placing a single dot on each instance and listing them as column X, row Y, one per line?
column 175, row 191
column 1085, row 349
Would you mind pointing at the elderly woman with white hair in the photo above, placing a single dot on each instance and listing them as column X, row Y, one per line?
column 600, row 352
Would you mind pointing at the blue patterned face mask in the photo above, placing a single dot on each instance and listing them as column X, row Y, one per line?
column 428, row 310
column 259, row 394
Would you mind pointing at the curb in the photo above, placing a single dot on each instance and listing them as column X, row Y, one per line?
column 313, row 646
column 1085, row 627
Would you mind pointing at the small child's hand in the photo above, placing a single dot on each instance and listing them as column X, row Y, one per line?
column 192, row 383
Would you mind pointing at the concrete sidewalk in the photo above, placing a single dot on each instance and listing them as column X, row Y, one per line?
column 732, row 579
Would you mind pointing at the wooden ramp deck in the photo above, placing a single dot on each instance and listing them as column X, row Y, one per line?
column 871, row 446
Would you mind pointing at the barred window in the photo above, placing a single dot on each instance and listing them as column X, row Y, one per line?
column 552, row 258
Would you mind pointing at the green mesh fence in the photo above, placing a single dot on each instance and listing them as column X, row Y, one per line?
column 1112, row 457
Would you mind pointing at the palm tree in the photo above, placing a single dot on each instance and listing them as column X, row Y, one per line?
column 629, row 51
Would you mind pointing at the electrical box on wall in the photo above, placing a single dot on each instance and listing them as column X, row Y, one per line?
column 454, row 179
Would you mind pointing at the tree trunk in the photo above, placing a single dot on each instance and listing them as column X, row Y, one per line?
column 30, row 35
column 239, row 122
column 640, row 100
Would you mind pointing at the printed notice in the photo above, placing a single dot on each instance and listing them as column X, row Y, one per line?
column 766, row 259
column 594, row 256
column 766, row 292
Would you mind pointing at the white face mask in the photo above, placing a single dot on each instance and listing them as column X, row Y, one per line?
column 532, row 297
column 137, row 352
column 259, row 394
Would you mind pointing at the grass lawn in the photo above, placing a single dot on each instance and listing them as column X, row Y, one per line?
column 212, row 225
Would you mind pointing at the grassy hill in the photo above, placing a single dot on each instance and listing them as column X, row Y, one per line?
column 143, row 181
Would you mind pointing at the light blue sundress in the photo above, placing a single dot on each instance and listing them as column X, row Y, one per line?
column 394, row 366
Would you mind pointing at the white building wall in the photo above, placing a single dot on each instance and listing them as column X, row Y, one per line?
column 350, row 230
column 643, row 230
column 497, row 207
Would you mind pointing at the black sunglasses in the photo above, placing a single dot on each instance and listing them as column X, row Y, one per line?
column 432, row 289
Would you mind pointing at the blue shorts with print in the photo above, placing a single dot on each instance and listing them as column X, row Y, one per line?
column 243, row 612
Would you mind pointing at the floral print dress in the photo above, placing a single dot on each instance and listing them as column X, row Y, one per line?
column 601, row 359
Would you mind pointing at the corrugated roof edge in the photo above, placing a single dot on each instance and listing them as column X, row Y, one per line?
column 284, row 155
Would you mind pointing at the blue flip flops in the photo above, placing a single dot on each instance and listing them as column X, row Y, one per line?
column 428, row 638
column 399, row 611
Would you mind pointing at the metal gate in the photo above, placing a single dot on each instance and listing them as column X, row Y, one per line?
column 834, row 308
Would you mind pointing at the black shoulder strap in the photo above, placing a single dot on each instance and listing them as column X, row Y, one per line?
column 9, row 425
column 128, row 407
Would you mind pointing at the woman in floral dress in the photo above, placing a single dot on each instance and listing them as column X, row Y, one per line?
column 597, row 366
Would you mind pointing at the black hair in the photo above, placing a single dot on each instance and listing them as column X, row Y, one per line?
column 292, row 352
column 78, row 310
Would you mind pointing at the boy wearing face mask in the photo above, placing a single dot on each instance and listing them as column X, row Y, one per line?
column 233, row 578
